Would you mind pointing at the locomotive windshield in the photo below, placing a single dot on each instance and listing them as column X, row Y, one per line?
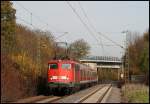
column 66, row 66
column 53, row 66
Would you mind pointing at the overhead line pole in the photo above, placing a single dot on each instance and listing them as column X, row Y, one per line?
column 126, row 68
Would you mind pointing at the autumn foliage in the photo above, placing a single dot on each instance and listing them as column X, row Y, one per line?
column 139, row 55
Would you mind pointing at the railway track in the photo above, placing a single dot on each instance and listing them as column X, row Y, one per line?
column 49, row 100
column 39, row 99
column 97, row 96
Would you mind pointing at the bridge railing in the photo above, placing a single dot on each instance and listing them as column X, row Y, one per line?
column 102, row 58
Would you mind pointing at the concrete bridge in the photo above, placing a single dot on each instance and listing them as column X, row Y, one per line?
column 102, row 62
column 108, row 67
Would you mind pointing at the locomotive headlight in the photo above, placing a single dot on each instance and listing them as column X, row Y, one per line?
column 59, row 77
column 64, row 77
column 53, row 77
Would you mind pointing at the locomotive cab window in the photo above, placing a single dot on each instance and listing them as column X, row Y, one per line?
column 66, row 66
column 53, row 66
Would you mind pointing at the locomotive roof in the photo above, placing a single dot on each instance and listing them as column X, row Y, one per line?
column 69, row 61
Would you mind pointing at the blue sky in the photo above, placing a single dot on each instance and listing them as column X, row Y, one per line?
column 108, row 17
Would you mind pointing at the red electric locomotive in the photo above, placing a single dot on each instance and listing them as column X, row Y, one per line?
column 69, row 75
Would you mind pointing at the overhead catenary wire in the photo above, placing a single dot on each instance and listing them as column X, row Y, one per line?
column 74, row 11
column 39, row 28
column 39, row 38
column 90, row 23
column 106, row 45
column 23, row 20
column 37, row 17
column 82, row 21
column 110, row 40
column 63, row 32
column 95, row 29
column 23, row 7
column 31, row 14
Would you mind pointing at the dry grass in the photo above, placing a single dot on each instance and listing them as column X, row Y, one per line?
column 135, row 93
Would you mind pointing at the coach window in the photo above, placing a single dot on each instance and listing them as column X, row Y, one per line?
column 77, row 67
column 93, row 74
column 85, row 74
column 81, row 74
column 66, row 66
column 53, row 66
column 90, row 76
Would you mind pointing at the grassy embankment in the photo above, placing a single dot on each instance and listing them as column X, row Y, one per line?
column 135, row 93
